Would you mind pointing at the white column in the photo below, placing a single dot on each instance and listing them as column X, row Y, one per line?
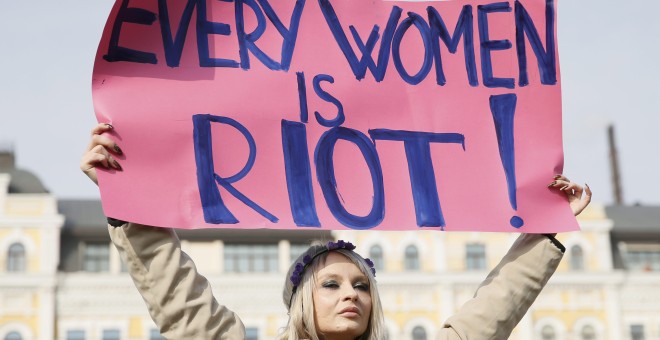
column 284, row 251
column 613, row 329
column 46, row 312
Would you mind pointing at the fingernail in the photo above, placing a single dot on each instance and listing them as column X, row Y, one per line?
column 118, row 166
column 109, row 125
column 564, row 187
column 117, row 149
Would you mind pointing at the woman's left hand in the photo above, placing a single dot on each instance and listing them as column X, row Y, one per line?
column 574, row 193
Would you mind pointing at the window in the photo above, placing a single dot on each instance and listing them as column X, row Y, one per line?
column 475, row 256
column 13, row 336
column 251, row 333
column 548, row 333
column 588, row 333
column 376, row 256
column 637, row 332
column 419, row 333
column 251, row 258
column 97, row 257
column 577, row 258
column 296, row 250
column 643, row 259
column 411, row 261
column 111, row 334
column 16, row 258
column 75, row 335
column 154, row 334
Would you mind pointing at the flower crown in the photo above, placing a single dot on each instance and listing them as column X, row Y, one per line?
column 300, row 267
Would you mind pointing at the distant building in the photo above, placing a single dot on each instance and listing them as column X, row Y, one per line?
column 60, row 278
column 29, row 251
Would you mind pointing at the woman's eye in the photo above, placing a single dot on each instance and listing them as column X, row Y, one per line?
column 362, row 287
column 330, row 284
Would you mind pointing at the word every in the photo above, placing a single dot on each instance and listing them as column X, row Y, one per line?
column 431, row 28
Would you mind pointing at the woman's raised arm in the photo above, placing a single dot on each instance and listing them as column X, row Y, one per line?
column 179, row 299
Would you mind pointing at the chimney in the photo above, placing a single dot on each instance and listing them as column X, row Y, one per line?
column 614, row 167
column 7, row 160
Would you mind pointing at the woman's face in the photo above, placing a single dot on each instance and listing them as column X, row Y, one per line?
column 342, row 299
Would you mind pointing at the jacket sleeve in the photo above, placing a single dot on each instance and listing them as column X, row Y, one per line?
column 508, row 291
column 178, row 298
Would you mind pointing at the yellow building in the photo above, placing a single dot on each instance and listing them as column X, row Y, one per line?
column 29, row 252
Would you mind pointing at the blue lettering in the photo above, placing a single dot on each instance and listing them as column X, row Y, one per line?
column 174, row 47
column 215, row 211
column 204, row 29
column 339, row 119
column 299, row 174
column 135, row 16
column 425, row 32
column 546, row 58
column 302, row 96
column 359, row 67
column 325, row 174
column 463, row 29
column 247, row 41
column 488, row 45
column 420, row 168
column 503, row 108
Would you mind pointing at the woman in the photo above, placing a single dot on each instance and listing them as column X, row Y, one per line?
column 330, row 291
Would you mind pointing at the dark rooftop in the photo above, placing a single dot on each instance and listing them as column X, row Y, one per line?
column 22, row 181
column 634, row 219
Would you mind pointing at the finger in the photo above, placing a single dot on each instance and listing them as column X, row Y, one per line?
column 584, row 202
column 558, row 183
column 101, row 128
column 587, row 192
column 106, row 142
column 561, row 177
column 573, row 188
column 99, row 156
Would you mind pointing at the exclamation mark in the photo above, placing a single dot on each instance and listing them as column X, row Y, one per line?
column 503, row 108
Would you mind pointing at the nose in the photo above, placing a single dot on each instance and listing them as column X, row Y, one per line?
column 349, row 293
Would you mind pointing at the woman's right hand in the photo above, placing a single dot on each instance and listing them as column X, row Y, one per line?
column 100, row 152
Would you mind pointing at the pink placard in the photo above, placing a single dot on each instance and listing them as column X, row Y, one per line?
column 333, row 114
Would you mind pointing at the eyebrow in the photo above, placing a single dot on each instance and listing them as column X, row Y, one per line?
column 336, row 276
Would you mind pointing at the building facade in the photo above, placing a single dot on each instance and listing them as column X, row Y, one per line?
column 60, row 278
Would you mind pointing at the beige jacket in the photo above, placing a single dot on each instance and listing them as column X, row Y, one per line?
column 181, row 303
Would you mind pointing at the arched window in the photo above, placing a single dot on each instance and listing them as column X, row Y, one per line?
column 16, row 258
column 548, row 333
column 376, row 256
column 588, row 333
column 419, row 333
column 411, row 258
column 577, row 258
column 13, row 336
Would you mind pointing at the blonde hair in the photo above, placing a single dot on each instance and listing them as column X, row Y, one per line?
column 301, row 323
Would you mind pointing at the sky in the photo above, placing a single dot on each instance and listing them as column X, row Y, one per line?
column 609, row 70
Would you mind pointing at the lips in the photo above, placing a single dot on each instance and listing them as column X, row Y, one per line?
column 351, row 311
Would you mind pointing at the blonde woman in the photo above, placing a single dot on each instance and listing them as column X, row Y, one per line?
column 330, row 291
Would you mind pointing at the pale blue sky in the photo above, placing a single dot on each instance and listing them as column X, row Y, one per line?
column 608, row 52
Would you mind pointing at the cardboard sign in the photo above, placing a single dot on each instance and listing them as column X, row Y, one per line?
column 359, row 114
